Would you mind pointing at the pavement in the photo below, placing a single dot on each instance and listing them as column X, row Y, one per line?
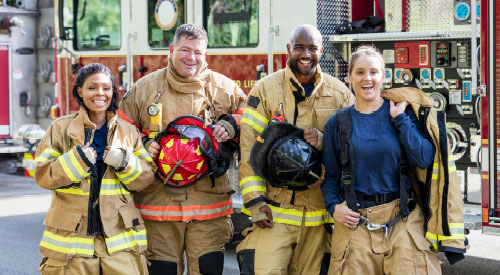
column 23, row 206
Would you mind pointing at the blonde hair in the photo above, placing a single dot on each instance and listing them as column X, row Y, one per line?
column 367, row 50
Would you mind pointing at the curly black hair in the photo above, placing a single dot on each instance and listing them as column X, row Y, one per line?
column 89, row 70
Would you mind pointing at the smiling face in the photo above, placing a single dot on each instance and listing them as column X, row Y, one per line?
column 96, row 92
column 305, row 51
column 366, row 77
column 188, row 56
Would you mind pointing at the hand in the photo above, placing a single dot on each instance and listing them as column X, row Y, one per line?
column 311, row 137
column 220, row 133
column 397, row 109
column 153, row 149
column 265, row 223
column 90, row 152
column 346, row 216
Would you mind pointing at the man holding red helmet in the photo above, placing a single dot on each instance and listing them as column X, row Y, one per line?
column 193, row 217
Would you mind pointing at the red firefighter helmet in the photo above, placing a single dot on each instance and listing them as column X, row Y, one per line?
column 187, row 146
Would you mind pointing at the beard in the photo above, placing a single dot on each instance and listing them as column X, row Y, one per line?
column 294, row 65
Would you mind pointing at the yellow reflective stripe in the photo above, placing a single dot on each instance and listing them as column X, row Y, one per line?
column 435, row 171
column 254, row 119
column 125, row 240
column 252, row 184
column 74, row 191
column 456, row 230
column 452, row 167
column 294, row 216
column 71, row 167
column 143, row 154
column 47, row 155
column 112, row 187
column 67, row 245
column 132, row 174
column 77, row 165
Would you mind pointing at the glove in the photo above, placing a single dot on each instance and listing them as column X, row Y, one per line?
column 115, row 157
column 229, row 128
column 256, row 214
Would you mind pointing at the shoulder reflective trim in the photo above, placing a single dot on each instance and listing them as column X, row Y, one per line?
column 132, row 174
column 186, row 213
column 252, row 184
column 47, row 155
column 143, row 154
column 254, row 119
column 67, row 245
column 73, row 191
column 71, row 167
column 112, row 187
column 126, row 240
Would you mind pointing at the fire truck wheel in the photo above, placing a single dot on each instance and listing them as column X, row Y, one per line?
column 8, row 166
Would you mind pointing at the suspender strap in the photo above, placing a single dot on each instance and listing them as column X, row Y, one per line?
column 345, row 127
column 404, row 177
column 443, row 148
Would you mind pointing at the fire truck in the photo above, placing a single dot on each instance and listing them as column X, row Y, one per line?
column 429, row 44
column 26, row 78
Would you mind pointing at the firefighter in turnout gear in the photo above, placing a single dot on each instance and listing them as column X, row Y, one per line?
column 289, row 235
column 195, row 219
column 382, row 208
column 92, row 161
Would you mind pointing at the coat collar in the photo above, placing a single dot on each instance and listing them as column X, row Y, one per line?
column 77, row 132
column 296, row 86
column 188, row 85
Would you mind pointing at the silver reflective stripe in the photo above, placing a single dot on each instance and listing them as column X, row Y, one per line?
column 316, row 219
column 71, row 167
column 287, row 217
column 253, row 183
column 184, row 213
column 457, row 230
column 128, row 239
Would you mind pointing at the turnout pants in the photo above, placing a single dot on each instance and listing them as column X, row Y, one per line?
column 203, row 242
column 284, row 249
column 405, row 251
column 121, row 263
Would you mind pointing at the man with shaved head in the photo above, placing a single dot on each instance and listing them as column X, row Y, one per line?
column 290, row 231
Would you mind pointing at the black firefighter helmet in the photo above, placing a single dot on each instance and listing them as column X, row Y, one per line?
column 282, row 156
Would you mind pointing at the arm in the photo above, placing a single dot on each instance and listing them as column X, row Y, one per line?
column 333, row 170
column 55, row 168
column 331, row 186
column 253, row 122
column 419, row 150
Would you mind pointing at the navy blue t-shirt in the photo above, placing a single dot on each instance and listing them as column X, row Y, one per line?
column 375, row 153
column 308, row 88
column 99, row 144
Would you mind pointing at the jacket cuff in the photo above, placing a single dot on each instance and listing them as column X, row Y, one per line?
column 256, row 214
column 319, row 146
